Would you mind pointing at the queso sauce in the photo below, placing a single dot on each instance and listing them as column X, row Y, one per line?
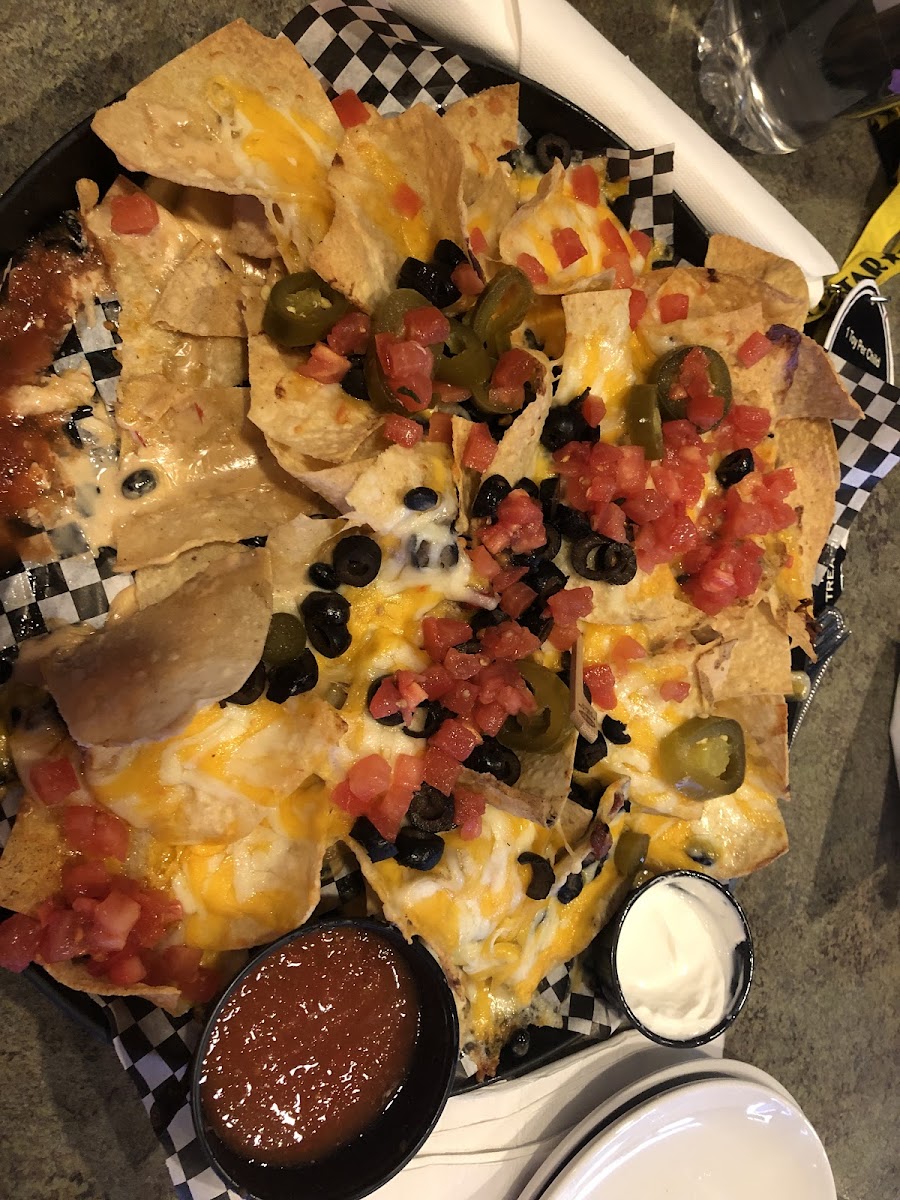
column 311, row 1047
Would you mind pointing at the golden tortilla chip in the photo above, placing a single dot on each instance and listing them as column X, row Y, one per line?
column 238, row 113
column 598, row 354
column 146, row 675
column 334, row 483
column 763, row 719
column 250, row 231
column 485, row 126
column 816, row 389
column 140, row 266
column 152, row 584
column 376, row 497
column 809, row 448
column 201, row 297
column 735, row 257
column 759, row 658
column 370, row 237
column 542, row 788
column 466, row 480
column 32, row 859
column 216, row 479
column 490, row 211
column 300, row 417
column 518, row 447
column 292, row 547
column 75, row 975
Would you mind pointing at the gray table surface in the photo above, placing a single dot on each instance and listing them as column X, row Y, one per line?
column 823, row 1013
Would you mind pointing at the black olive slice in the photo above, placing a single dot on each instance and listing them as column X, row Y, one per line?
column 354, row 382
column 420, row 499
column 548, row 494
column 356, row 560
column 584, row 797
column 138, row 483
column 252, row 687
column 588, row 754
column 448, row 254
column 490, row 757
column 449, row 556
column 430, row 810
column 571, row 523
column 614, row 731
column 528, row 486
column 548, row 148
column 734, row 467
column 560, row 428
column 418, row 849
column 598, row 557
column 377, row 847
column 426, row 720
column 488, row 497
column 394, row 718
column 293, row 678
column 542, row 876
column 325, row 608
column 331, row 641
column 535, row 622
column 546, row 578
column 571, row 889
column 430, row 280
column 323, row 575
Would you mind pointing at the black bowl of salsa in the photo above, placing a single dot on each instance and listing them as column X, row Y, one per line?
column 326, row 1063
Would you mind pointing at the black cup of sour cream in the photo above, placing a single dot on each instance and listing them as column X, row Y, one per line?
column 677, row 959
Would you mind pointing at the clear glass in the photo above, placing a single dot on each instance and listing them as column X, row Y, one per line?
column 777, row 73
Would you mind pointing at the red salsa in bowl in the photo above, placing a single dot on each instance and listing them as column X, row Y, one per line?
column 327, row 1062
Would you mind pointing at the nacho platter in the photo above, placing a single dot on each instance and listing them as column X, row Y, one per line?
column 363, row 493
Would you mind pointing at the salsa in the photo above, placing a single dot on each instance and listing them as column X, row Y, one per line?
column 311, row 1047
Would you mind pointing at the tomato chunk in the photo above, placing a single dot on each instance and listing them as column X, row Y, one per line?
column 468, row 809
column 514, row 367
column 673, row 307
column 114, row 918
column 407, row 201
column 19, row 939
column 477, row 241
column 568, row 246
column 403, row 431
column 53, row 780
column 95, row 832
column 641, row 241
column 585, row 184
column 369, row 777
column 62, row 936
column 755, row 348
column 467, row 279
column 611, row 238
column 532, row 268
column 441, row 771
column 133, row 215
column 350, row 334
column 85, row 877
column 602, row 685
column 637, row 306
column 350, row 109
column 324, row 365
column 480, row 448
column 440, row 633
column 455, row 739
column 675, row 690
column 593, row 409
column 426, row 325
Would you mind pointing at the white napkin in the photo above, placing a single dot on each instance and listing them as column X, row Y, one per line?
column 548, row 41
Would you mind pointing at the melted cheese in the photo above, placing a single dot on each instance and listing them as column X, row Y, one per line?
column 410, row 234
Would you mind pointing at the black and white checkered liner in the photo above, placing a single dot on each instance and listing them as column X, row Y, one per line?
column 367, row 48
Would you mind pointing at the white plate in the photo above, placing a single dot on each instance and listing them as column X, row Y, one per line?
column 709, row 1139
column 638, row 1092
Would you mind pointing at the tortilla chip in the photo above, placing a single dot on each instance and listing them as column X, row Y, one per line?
column 490, row 211
column 152, row 584
column 250, row 231
column 216, row 479
column 816, row 389
column 736, row 257
column 75, row 975
column 809, row 448
column 237, row 113
column 292, row 547
column 300, row 417
column 758, row 660
column 201, row 297
column 764, row 722
column 377, row 495
column 334, row 483
column 31, row 862
column 145, row 676
column 598, row 354
column 485, row 126
column 542, row 788
column 369, row 239
column 518, row 447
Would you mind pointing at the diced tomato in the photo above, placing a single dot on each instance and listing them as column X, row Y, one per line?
column 346, row 800
column 411, row 692
column 568, row 246
column 483, row 562
column 516, row 599
column 637, row 306
column 673, row 307
column 514, row 367
column 135, row 214
column 461, row 698
column 620, row 263
column 85, row 877
column 113, row 920
column 593, row 409
column 369, row 777
column 468, row 810
column 386, row 701
column 563, row 637
column 641, row 241
column 625, row 649
column 19, row 939
column 441, row 771
column 568, row 605
column 426, row 325
column 440, row 633
column 324, row 365
column 744, row 427
column 490, row 718
column 463, row 666
column 532, row 268
column 506, row 399
column 646, row 506
column 519, row 525
column 585, row 184
column 477, row 241
column 125, row 970
column 675, row 690
column 456, row 739
column 402, row 431
column 508, row 641
column 350, row 334
column 406, row 201
column 62, row 936
column 437, row 681
column 53, row 780
column 407, row 368
column 94, row 831
column 350, row 109
column 480, row 448
column 440, row 428
column 388, row 812
column 507, row 578
column 732, row 571
column 602, row 685
column 178, row 964
column 448, row 393
column 755, row 348
column 611, row 237
column 705, row 411
column 611, row 522
column 467, row 280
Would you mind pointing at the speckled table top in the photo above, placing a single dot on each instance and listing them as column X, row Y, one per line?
column 823, row 1013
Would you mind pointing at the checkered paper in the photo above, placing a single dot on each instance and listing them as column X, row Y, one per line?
column 391, row 65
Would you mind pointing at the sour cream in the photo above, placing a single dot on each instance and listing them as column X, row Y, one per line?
column 676, row 957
